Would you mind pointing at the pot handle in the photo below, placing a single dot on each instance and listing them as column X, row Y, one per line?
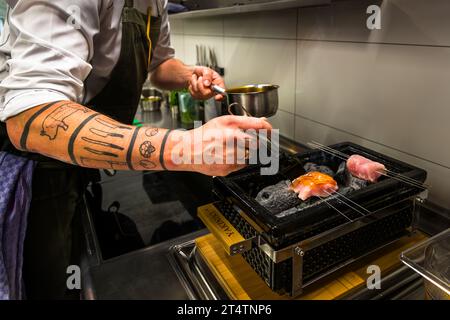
column 246, row 113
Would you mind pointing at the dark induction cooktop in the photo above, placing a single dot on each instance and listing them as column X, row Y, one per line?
column 133, row 210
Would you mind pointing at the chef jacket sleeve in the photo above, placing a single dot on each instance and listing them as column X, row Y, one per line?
column 44, row 57
column 163, row 50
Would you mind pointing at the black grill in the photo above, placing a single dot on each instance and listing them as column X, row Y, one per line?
column 391, row 203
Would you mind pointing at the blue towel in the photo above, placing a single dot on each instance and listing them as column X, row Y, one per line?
column 16, row 174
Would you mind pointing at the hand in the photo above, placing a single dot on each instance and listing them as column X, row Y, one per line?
column 200, row 84
column 206, row 149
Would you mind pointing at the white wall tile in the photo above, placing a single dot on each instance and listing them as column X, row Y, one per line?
column 273, row 24
column 249, row 60
column 176, row 26
column 210, row 42
column 284, row 121
column 402, row 21
column 394, row 95
column 439, row 177
column 212, row 26
column 177, row 42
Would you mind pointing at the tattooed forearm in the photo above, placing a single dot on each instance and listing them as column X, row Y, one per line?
column 105, row 134
column 26, row 129
column 131, row 147
column 76, row 134
column 101, row 143
column 150, row 132
column 101, row 153
column 73, row 137
column 55, row 119
column 147, row 164
column 146, row 149
column 112, row 125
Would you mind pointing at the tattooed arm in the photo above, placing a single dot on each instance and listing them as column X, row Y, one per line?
column 75, row 134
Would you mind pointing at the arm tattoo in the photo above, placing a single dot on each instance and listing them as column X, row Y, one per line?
column 111, row 125
column 147, row 164
column 55, row 119
column 89, row 138
column 161, row 152
column 26, row 129
column 101, row 143
column 105, row 134
column 146, row 149
column 74, row 136
column 150, row 132
column 131, row 146
column 95, row 163
column 101, row 153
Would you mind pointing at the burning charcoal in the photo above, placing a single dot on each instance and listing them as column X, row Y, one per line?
column 278, row 197
column 310, row 166
column 355, row 183
column 343, row 176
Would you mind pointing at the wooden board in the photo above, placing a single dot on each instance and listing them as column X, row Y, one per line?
column 241, row 282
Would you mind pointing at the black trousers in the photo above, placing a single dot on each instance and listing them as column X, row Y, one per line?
column 53, row 237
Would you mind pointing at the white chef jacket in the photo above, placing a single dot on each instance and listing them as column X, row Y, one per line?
column 49, row 48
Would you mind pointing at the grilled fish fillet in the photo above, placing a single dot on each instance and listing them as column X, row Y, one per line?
column 314, row 184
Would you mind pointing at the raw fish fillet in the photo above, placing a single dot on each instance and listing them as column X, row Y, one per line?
column 364, row 168
column 314, row 184
column 278, row 197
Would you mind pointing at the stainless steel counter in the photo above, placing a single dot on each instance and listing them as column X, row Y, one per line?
column 143, row 274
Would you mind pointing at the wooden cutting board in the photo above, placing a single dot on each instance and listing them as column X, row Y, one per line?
column 240, row 282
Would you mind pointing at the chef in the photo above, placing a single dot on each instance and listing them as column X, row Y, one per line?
column 71, row 77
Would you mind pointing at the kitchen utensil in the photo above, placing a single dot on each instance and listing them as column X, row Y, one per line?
column 152, row 103
column 149, row 92
column 431, row 259
column 257, row 100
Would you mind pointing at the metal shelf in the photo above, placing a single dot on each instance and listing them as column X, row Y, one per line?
column 267, row 6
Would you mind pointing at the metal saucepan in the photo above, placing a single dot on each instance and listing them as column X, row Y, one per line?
column 256, row 100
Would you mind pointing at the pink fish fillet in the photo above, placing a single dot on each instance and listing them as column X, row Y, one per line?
column 364, row 168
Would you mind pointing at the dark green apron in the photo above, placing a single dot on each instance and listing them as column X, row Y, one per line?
column 53, row 236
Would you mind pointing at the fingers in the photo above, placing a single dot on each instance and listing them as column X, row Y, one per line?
column 244, row 122
column 217, row 79
column 205, row 73
column 204, row 78
column 205, row 92
column 207, row 77
column 194, row 82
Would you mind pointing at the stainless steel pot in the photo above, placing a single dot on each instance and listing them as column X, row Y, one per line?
column 152, row 103
column 256, row 100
